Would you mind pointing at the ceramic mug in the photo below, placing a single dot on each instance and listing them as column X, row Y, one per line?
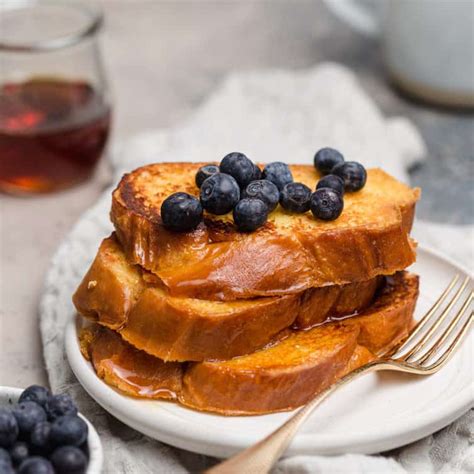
column 428, row 44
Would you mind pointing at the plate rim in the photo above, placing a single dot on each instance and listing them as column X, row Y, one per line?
column 221, row 444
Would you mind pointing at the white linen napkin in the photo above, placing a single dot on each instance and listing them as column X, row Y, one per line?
column 273, row 115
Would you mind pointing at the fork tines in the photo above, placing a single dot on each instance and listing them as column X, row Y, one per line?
column 441, row 331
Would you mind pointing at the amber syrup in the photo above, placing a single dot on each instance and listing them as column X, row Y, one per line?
column 52, row 134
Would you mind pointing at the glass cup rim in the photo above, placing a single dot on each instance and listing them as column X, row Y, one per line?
column 90, row 28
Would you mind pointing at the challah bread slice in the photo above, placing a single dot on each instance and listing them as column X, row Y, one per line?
column 118, row 295
column 278, row 378
column 290, row 253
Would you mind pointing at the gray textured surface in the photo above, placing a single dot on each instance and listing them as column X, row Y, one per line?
column 163, row 59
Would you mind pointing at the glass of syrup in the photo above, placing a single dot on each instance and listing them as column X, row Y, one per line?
column 54, row 98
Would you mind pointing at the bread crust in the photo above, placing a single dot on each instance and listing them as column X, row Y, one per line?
column 289, row 254
column 278, row 378
column 115, row 294
column 278, row 383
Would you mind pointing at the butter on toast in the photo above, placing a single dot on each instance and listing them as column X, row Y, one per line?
column 277, row 378
column 115, row 294
column 290, row 253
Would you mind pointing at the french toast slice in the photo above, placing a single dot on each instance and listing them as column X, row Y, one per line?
column 116, row 294
column 277, row 378
column 290, row 253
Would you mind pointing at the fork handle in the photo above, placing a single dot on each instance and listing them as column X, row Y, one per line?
column 259, row 458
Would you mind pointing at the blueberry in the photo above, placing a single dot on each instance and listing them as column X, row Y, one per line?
column 353, row 174
column 295, row 197
column 219, row 194
column 264, row 190
column 84, row 447
column 19, row 452
column 332, row 181
column 40, row 437
column 60, row 405
column 4, row 456
column 69, row 460
column 181, row 212
column 326, row 159
column 35, row 393
column 6, row 467
column 8, row 428
column 250, row 214
column 326, row 204
column 239, row 167
column 278, row 173
column 27, row 414
column 36, row 465
column 68, row 430
column 257, row 173
column 205, row 172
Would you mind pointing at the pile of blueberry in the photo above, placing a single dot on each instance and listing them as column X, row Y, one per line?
column 42, row 434
column 238, row 185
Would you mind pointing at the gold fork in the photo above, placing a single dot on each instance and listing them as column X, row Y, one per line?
column 426, row 356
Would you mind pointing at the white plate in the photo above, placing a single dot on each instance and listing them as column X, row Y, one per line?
column 376, row 413
column 10, row 395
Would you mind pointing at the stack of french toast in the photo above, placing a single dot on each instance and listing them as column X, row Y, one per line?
column 233, row 322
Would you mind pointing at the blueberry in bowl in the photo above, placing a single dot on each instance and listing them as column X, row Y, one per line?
column 36, row 465
column 40, row 437
column 19, row 452
column 27, row 414
column 6, row 464
column 264, row 190
column 60, row 405
column 68, row 459
column 9, row 429
column 69, row 430
column 331, row 181
column 53, row 438
column 353, row 174
column 326, row 159
column 296, row 197
column 35, row 393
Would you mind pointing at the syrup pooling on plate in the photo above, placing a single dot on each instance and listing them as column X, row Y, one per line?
column 129, row 369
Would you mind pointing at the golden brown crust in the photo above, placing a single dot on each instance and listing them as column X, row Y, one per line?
column 110, row 288
column 277, row 378
column 388, row 319
column 318, row 304
column 360, row 357
column 115, row 294
column 287, row 255
column 168, row 329
column 256, row 384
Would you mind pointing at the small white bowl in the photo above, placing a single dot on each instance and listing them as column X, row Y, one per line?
column 10, row 395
